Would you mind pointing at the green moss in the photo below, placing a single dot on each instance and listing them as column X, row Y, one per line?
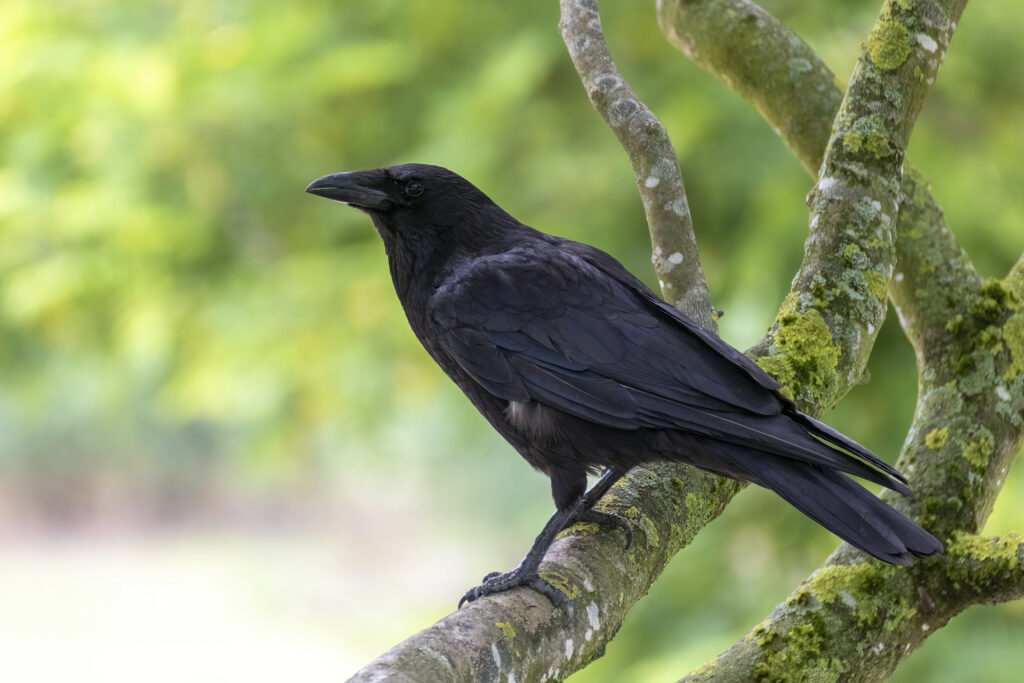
column 971, row 546
column 932, row 508
column 982, row 562
column 978, row 374
column 869, row 133
column 506, row 628
column 978, row 452
column 677, row 483
column 585, row 528
column 937, row 438
column 1013, row 337
column 989, row 306
column 697, row 516
column 651, row 531
column 796, row 656
column 878, row 284
column 864, row 589
column 561, row 583
column 631, row 512
column 868, row 210
column 703, row 669
column 803, row 356
column 889, row 44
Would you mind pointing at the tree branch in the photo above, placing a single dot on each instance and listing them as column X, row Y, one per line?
column 517, row 635
column 849, row 256
column 863, row 619
column 969, row 338
column 658, row 178
column 764, row 61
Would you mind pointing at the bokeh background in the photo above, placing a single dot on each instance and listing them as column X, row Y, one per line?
column 223, row 454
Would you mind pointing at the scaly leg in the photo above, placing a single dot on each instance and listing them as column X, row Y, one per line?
column 579, row 510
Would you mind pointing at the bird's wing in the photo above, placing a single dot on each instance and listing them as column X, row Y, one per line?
column 546, row 325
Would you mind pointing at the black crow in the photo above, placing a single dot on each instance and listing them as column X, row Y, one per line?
column 582, row 368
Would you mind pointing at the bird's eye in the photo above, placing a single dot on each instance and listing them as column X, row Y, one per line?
column 413, row 189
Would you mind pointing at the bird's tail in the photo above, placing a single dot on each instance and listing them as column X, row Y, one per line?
column 848, row 510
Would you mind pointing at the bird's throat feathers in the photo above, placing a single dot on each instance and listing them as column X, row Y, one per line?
column 420, row 246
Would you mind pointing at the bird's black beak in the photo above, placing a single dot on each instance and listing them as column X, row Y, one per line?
column 357, row 189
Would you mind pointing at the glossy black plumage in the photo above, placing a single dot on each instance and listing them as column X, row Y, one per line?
column 581, row 367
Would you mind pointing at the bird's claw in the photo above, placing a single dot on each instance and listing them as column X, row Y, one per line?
column 607, row 519
column 496, row 582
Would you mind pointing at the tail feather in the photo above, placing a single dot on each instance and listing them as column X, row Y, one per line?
column 822, row 431
column 848, row 510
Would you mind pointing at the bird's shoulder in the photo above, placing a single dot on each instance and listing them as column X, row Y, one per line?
column 535, row 278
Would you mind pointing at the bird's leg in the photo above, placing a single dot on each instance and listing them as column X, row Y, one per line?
column 526, row 573
column 579, row 509
column 589, row 514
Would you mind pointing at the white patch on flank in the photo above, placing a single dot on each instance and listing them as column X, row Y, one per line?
column 871, row 328
column 927, row 42
column 1002, row 393
column 848, row 599
column 496, row 655
column 877, row 649
column 530, row 417
column 511, row 678
column 657, row 251
column 586, row 583
column 876, row 205
column 592, row 615
column 675, row 258
column 826, row 184
column 568, row 648
column 925, row 627
column 814, row 220
column 652, row 181
column 588, row 635
column 899, row 277
column 661, row 284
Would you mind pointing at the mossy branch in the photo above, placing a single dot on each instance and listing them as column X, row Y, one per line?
column 849, row 256
column 858, row 621
column 519, row 636
column 969, row 339
column 646, row 142
column 771, row 67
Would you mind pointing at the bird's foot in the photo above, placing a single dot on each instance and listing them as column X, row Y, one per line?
column 605, row 519
column 497, row 582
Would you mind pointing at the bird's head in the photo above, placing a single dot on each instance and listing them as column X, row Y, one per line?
column 414, row 203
